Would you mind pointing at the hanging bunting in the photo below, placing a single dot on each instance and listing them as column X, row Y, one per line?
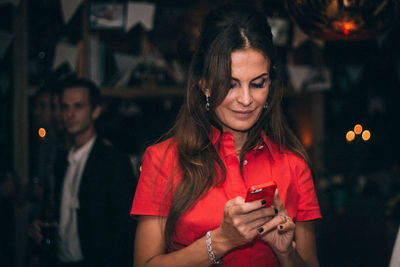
column 299, row 37
column 140, row 13
column 65, row 53
column 319, row 79
column 69, row 8
column 297, row 75
column 354, row 72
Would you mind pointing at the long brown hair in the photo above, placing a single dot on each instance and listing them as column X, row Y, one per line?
column 224, row 30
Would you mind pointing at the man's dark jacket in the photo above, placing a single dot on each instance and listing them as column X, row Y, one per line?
column 106, row 231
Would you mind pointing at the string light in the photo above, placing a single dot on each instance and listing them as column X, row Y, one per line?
column 350, row 135
column 358, row 129
column 366, row 135
column 42, row 132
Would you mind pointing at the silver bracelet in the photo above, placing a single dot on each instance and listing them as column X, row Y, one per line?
column 210, row 252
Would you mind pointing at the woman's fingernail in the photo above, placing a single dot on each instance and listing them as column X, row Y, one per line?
column 276, row 211
column 260, row 230
column 281, row 227
column 263, row 202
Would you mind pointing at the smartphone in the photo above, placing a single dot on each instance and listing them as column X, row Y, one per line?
column 263, row 191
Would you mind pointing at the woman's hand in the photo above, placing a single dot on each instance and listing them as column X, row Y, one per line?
column 240, row 222
column 278, row 233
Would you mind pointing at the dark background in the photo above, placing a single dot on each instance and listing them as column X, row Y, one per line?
column 355, row 181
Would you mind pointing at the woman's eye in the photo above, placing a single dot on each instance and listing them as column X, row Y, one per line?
column 233, row 85
column 260, row 84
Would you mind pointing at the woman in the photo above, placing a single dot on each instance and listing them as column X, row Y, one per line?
column 229, row 135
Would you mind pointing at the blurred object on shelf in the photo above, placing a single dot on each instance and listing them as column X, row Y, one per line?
column 280, row 30
column 343, row 19
column 107, row 16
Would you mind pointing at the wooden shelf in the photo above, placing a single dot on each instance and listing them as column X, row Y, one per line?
column 143, row 92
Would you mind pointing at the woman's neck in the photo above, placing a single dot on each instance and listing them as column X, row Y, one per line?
column 240, row 138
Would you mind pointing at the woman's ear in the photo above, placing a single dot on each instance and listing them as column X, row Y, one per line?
column 204, row 88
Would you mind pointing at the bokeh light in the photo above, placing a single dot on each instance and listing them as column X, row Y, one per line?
column 358, row 129
column 42, row 132
column 366, row 135
column 350, row 135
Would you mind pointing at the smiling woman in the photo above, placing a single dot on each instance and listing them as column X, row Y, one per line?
column 229, row 136
column 247, row 97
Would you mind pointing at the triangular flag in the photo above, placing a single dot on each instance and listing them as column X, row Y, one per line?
column 140, row 13
column 123, row 61
column 299, row 37
column 354, row 72
column 297, row 75
column 69, row 8
column 65, row 53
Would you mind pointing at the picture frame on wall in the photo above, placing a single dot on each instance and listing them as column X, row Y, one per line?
column 107, row 16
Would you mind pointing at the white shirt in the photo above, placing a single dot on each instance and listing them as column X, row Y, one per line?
column 69, row 249
column 395, row 259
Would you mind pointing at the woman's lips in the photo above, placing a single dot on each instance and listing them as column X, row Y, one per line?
column 243, row 113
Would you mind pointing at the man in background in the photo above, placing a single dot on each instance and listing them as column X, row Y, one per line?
column 94, row 188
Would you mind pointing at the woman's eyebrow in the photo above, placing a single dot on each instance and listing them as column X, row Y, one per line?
column 258, row 77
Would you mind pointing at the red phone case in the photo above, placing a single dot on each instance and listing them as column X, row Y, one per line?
column 263, row 191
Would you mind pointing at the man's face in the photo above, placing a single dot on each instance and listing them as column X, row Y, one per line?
column 78, row 115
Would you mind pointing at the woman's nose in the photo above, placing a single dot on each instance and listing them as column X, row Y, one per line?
column 244, row 96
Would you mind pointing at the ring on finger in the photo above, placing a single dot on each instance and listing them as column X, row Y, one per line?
column 285, row 217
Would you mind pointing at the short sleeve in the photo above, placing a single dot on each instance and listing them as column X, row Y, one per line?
column 308, row 207
column 153, row 195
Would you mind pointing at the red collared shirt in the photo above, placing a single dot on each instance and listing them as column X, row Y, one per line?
column 264, row 163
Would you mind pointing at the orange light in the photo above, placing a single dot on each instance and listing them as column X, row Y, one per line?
column 345, row 26
column 358, row 129
column 366, row 135
column 42, row 132
column 306, row 139
column 350, row 135
column 349, row 26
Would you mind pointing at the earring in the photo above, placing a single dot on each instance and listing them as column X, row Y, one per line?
column 207, row 102
column 266, row 105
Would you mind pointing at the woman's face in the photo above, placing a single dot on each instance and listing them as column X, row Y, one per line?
column 245, row 100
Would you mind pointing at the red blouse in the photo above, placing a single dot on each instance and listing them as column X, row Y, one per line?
column 264, row 163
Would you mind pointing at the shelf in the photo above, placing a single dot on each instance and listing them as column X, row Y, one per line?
column 143, row 92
